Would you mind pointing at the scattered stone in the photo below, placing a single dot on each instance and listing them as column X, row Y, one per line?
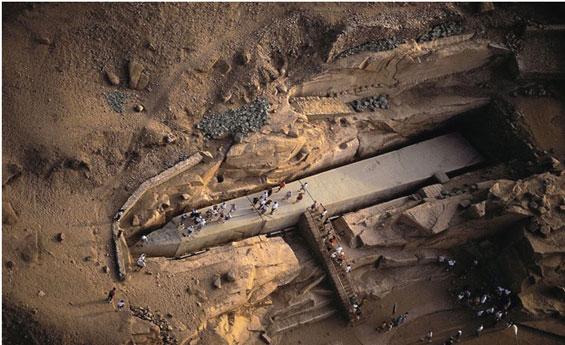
column 373, row 46
column 441, row 177
column 135, row 221
column 41, row 293
column 143, row 81
column 112, row 78
column 88, row 258
column 372, row 103
column 9, row 216
column 244, row 57
column 222, row 66
column 464, row 203
column 293, row 133
column 139, row 108
column 206, row 156
column 231, row 276
column 243, row 120
column 440, row 31
column 170, row 138
column 545, row 230
column 477, row 210
column 533, row 205
column 105, row 269
column 513, row 43
column 217, row 281
column 43, row 40
column 10, row 264
column 238, row 137
column 116, row 100
column 170, row 315
column 61, row 237
column 135, row 70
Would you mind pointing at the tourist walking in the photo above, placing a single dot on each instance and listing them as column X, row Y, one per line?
column 479, row 330
column 299, row 198
column 281, row 186
column 141, row 262
column 121, row 305
column 111, row 295
column 458, row 335
column 144, row 240
column 223, row 206
column 428, row 337
column 288, row 195
column 232, row 208
column 303, row 187
column 274, row 207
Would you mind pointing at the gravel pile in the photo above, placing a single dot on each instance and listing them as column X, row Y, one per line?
column 116, row 100
column 373, row 46
column 534, row 91
column 146, row 314
column 372, row 103
column 513, row 42
column 237, row 122
column 441, row 31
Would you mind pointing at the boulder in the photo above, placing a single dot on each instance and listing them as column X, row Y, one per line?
column 477, row 210
column 433, row 217
column 217, row 281
column 135, row 70
column 231, row 275
column 112, row 78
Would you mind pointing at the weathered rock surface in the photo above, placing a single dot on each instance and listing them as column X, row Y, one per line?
column 9, row 216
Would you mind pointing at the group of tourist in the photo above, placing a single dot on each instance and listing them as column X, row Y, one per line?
column 387, row 326
column 111, row 294
column 489, row 303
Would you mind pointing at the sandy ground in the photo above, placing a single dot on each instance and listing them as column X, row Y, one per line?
column 55, row 114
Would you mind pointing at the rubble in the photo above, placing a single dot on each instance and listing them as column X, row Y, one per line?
column 116, row 100
column 238, row 122
column 370, row 103
column 373, row 46
column 442, row 30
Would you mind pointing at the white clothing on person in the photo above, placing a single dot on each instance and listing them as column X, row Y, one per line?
column 144, row 239
column 347, row 269
column 141, row 261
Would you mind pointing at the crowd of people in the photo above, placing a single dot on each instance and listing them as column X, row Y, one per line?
column 335, row 251
column 387, row 326
column 489, row 303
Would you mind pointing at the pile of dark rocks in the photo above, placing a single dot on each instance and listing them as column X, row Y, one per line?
column 373, row 46
column 146, row 314
column 537, row 90
column 116, row 100
column 238, row 123
column 372, row 103
column 441, row 30
column 513, row 42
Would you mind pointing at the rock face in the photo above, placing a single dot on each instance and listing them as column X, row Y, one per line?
column 261, row 264
column 403, row 236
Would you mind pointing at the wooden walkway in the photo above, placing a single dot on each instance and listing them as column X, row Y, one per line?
column 313, row 229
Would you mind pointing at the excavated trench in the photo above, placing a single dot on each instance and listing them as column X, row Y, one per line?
column 489, row 130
